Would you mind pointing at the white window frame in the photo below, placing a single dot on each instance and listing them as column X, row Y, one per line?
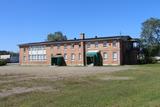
column 79, row 56
column 72, row 56
column 58, row 46
column 24, row 58
column 65, row 46
column 65, row 57
column 96, row 44
column 114, row 43
column 105, row 44
column 115, row 58
column 105, row 56
column 37, row 53
column 88, row 45
column 72, row 46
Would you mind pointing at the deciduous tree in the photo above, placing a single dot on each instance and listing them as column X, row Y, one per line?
column 57, row 36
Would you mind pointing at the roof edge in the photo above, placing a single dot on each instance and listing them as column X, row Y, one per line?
column 75, row 40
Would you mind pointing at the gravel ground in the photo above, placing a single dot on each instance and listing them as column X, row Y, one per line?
column 58, row 72
column 20, row 74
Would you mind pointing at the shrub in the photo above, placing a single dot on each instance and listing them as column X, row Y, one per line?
column 152, row 60
column 3, row 62
column 147, row 60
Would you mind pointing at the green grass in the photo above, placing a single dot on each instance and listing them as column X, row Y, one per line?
column 141, row 91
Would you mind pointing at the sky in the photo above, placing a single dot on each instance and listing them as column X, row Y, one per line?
column 25, row 21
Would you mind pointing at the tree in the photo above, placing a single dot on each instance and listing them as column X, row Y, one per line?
column 151, row 32
column 57, row 36
column 150, row 38
column 4, row 52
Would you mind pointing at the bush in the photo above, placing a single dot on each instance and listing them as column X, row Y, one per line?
column 152, row 60
column 147, row 60
column 3, row 62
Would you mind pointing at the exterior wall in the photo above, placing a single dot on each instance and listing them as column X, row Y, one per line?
column 109, row 50
column 128, row 53
column 27, row 61
column 52, row 50
column 76, row 50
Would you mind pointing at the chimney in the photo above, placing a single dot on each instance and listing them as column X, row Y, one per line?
column 82, row 35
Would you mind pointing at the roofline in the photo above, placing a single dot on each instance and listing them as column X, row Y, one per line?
column 75, row 40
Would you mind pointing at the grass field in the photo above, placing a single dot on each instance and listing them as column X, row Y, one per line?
column 139, row 87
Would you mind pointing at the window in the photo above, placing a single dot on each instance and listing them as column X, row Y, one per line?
column 24, row 50
column 72, row 57
column 44, row 57
column 29, row 58
column 72, row 46
column 135, row 44
column 37, row 53
column 105, row 44
column 115, row 56
column 96, row 44
column 105, row 56
column 88, row 45
column 114, row 43
column 79, row 46
column 58, row 46
column 24, row 58
column 65, row 46
column 79, row 56
column 65, row 56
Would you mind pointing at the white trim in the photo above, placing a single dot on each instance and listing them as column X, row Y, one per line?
column 93, row 51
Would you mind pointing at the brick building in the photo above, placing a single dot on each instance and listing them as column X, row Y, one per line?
column 115, row 50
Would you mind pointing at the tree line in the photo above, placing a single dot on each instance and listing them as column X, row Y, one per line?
column 3, row 52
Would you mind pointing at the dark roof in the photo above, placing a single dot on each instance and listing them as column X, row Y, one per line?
column 78, row 40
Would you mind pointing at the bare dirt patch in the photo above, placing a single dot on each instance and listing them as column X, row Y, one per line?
column 23, row 79
column 20, row 90
column 58, row 72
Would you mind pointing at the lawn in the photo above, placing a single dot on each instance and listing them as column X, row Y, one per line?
column 139, row 87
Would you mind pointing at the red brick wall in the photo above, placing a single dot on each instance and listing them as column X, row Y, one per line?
column 27, row 62
column 109, row 49
column 69, row 51
column 52, row 49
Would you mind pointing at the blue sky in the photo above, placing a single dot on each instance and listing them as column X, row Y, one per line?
column 23, row 21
